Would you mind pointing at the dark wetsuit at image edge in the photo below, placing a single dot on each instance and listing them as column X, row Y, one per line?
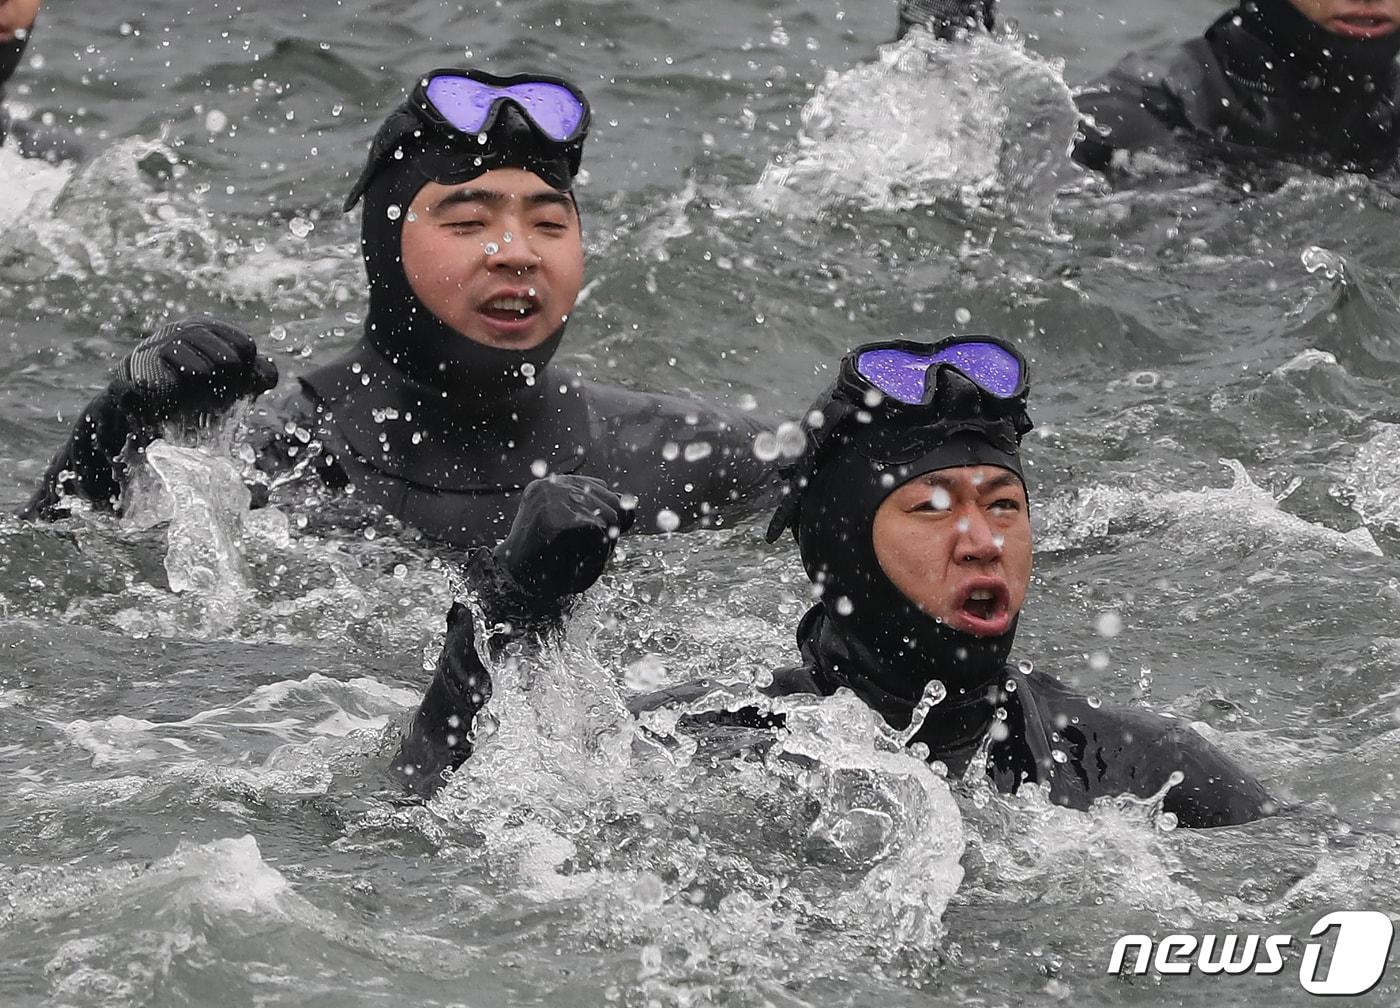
column 1263, row 85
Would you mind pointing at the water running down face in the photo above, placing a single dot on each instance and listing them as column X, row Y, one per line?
column 957, row 544
column 1357, row 19
column 499, row 259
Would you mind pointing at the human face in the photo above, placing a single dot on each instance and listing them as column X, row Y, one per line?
column 499, row 259
column 16, row 15
column 1360, row 19
column 957, row 544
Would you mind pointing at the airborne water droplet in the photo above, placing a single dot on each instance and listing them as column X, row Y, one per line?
column 1110, row 624
column 667, row 520
column 791, row 440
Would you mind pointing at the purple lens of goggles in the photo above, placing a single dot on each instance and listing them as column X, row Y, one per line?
column 467, row 103
column 900, row 374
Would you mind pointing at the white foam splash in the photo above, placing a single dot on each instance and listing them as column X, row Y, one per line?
column 1244, row 506
column 982, row 121
column 1371, row 483
column 31, row 186
column 203, row 498
column 360, row 706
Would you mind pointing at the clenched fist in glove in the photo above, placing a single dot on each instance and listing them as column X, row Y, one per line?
column 192, row 368
column 186, row 370
column 562, row 537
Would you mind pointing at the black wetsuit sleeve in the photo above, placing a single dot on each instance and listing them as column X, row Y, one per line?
column 1215, row 790
column 439, row 738
column 1132, row 107
column 186, row 371
column 1105, row 751
column 91, row 463
column 1118, row 751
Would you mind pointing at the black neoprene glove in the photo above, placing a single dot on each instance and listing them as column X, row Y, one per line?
column 185, row 370
column 192, row 368
column 945, row 18
column 562, row 537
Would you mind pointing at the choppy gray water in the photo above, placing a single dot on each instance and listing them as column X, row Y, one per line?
column 193, row 702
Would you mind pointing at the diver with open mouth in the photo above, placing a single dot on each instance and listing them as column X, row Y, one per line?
column 1312, row 82
column 448, row 407
column 910, row 511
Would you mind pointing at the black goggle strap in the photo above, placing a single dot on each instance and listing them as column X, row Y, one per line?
column 402, row 123
column 834, row 414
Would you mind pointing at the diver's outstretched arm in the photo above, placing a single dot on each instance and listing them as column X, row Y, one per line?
column 561, row 540
column 186, row 370
column 945, row 18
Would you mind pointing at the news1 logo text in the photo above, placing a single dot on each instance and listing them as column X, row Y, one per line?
column 1359, row 940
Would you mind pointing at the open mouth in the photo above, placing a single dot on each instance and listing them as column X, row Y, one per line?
column 984, row 607
column 511, row 307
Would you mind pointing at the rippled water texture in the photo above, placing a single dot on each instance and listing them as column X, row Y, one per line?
column 195, row 701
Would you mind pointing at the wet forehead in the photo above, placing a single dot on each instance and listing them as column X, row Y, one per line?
column 971, row 480
column 496, row 189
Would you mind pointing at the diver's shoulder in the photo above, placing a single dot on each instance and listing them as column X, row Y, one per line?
column 1131, row 725
column 625, row 405
column 1155, row 66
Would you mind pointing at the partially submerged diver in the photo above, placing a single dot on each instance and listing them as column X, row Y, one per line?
column 1311, row 82
column 31, row 139
column 910, row 511
column 448, row 406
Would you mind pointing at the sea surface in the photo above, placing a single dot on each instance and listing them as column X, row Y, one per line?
column 196, row 701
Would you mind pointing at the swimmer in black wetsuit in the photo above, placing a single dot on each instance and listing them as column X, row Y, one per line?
column 448, row 406
column 33, row 140
column 910, row 512
column 1310, row 82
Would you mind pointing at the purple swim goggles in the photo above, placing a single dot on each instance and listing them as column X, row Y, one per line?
column 905, row 372
column 469, row 101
